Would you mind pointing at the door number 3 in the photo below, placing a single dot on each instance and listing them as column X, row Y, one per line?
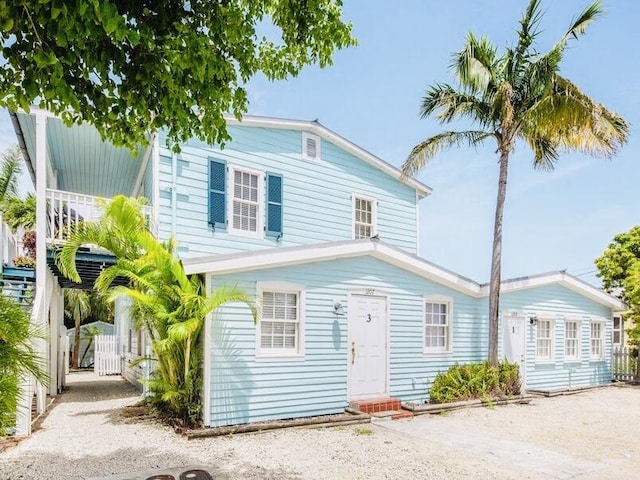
column 368, row 317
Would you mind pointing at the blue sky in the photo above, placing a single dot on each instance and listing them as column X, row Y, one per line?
column 558, row 220
column 553, row 221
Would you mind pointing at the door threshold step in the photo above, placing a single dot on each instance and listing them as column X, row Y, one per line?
column 393, row 414
column 376, row 405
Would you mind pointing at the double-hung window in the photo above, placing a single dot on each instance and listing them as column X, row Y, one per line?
column 437, row 324
column 617, row 330
column 597, row 341
column 544, row 339
column 364, row 217
column 245, row 205
column 571, row 340
column 281, row 327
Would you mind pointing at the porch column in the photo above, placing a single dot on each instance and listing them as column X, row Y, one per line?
column 42, row 281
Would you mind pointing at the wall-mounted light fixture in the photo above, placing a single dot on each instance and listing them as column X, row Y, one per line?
column 533, row 320
column 337, row 307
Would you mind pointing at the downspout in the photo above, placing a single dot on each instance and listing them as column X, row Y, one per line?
column 174, row 193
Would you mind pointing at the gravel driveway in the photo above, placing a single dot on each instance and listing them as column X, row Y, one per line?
column 592, row 435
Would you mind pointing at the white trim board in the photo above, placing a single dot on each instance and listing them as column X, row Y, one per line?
column 299, row 255
column 323, row 132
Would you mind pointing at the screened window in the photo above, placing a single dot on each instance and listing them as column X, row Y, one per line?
column 437, row 326
column 571, row 340
column 364, row 218
column 544, row 340
column 597, row 344
column 280, row 325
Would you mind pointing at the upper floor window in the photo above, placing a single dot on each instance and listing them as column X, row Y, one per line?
column 246, row 208
column 310, row 146
column 244, row 201
column 571, row 340
column 544, row 339
column 364, row 217
column 597, row 341
column 617, row 330
column 281, row 327
column 437, row 324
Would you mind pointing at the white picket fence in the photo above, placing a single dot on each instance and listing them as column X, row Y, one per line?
column 106, row 358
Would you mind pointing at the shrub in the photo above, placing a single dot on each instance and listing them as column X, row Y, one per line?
column 475, row 380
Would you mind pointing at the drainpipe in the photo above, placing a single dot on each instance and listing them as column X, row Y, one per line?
column 174, row 193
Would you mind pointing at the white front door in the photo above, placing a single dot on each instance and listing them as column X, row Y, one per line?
column 367, row 346
column 514, row 343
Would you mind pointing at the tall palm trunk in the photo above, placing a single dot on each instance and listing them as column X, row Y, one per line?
column 496, row 258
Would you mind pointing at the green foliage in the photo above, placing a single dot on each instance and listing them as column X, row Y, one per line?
column 619, row 269
column 19, row 212
column 518, row 95
column 131, row 67
column 476, row 380
column 10, row 168
column 17, row 357
column 169, row 305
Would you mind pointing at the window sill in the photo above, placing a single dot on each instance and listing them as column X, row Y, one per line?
column 596, row 359
column 569, row 361
column 545, row 361
column 436, row 353
column 245, row 234
column 262, row 358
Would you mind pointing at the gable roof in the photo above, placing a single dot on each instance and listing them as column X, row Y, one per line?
column 306, row 254
column 323, row 132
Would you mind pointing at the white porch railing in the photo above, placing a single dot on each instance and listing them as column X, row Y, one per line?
column 66, row 208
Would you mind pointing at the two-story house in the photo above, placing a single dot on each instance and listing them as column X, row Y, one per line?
column 324, row 235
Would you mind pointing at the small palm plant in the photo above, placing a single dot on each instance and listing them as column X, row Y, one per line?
column 168, row 304
column 17, row 358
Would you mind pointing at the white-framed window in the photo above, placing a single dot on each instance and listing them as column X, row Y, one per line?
column 544, row 339
column 597, row 340
column 310, row 146
column 246, row 202
column 364, row 216
column 280, row 332
column 437, row 324
column 618, row 331
column 571, row 340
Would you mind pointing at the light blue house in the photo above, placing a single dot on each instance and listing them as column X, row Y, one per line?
column 324, row 235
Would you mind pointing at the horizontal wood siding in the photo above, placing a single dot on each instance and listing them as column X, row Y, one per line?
column 245, row 390
column 559, row 304
column 317, row 195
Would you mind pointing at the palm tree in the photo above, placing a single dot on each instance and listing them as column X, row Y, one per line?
column 77, row 307
column 519, row 95
column 169, row 305
column 10, row 169
column 19, row 212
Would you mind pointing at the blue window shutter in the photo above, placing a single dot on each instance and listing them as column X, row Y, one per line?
column 273, row 224
column 217, row 193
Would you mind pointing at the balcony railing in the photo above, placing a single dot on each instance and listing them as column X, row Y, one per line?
column 66, row 208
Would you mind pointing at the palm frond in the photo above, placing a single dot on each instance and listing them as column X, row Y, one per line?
column 571, row 120
column 10, row 169
column 527, row 33
column 453, row 104
column 428, row 148
column 474, row 66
